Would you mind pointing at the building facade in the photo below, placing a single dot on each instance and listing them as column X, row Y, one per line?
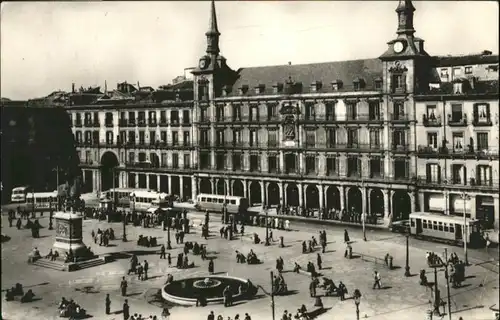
column 363, row 135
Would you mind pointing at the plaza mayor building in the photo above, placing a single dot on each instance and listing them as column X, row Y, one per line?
column 402, row 132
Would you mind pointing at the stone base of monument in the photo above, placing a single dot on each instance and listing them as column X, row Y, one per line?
column 60, row 265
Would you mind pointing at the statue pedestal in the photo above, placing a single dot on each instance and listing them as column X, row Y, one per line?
column 69, row 234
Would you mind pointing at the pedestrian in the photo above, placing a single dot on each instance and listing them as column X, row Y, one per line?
column 211, row 316
column 211, row 266
column 169, row 260
column 377, row 279
column 162, row 252
column 108, row 304
column 146, row 267
column 346, row 236
column 319, row 261
column 123, row 287
column 126, row 310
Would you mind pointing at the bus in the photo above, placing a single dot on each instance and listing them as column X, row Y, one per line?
column 445, row 228
column 136, row 199
column 215, row 203
column 19, row 194
column 41, row 200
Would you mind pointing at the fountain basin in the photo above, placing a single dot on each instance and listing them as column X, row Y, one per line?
column 186, row 291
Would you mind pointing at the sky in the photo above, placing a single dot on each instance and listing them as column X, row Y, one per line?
column 46, row 46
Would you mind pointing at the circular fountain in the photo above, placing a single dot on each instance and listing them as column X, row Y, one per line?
column 187, row 291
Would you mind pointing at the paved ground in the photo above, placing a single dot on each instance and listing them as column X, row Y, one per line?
column 402, row 299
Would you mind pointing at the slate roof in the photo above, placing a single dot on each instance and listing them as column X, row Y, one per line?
column 448, row 61
column 328, row 72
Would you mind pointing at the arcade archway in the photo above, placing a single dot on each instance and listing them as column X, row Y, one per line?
column 255, row 192
column 273, row 194
column 109, row 162
column 221, row 187
column 205, row 186
column 238, row 189
column 292, row 195
column 312, row 197
column 376, row 202
column 401, row 205
column 333, row 198
column 354, row 200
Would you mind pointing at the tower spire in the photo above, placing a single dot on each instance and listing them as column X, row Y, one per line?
column 405, row 12
column 213, row 32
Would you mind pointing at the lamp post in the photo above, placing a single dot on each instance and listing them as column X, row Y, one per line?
column 407, row 267
column 357, row 301
column 168, row 221
column 272, row 295
column 363, row 214
column 447, row 277
column 266, row 210
column 465, row 197
column 50, row 215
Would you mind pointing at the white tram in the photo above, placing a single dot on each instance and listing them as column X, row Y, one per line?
column 41, row 200
column 446, row 228
column 215, row 203
column 137, row 199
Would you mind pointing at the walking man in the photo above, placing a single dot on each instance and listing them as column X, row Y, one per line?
column 377, row 280
column 162, row 252
column 123, row 287
column 146, row 267
column 108, row 304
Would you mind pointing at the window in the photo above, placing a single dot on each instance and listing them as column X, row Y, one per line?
column 458, row 174
column 131, row 118
column 330, row 111
column 220, row 137
column 271, row 111
column 398, row 138
column 482, row 141
column 468, row 70
column 457, row 72
column 331, row 138
column 331, row 166
column 163, row 117
column 398, row 83
column 185, row 138
column 375, row 138
column 152, row 118
column 272, row 138
column 187, row 161
column 424, row 223
column 108, row 120
column 446, row 228
column 310, row 164
column 236, row 161
column 204, row 160
column 432, row 140
column 351, row 111
column 310, row 138
column 220, row 113
column 483, row 175
column 452, row 228
column 237, row 113
column 440, row 226
column 353, row 166
column 433, row 173
column 481, row 113
column 398, row 109
column 434, row 225
column 175, row 161
column 186, row 117
column 272, row 163
column 220, row 161
column 431, row 113
column 142, row 139
column 79, row 137
column 376, row 167
column 204, row 140
column 253, row 138
column 253, row 113
column 401, row 168
column 254, row 162
column 164, row 159
column 174, row 117
column 456, row 113
column 444, row 73
column 237, row 137
column 374, row 110
column 163, row 136
column 109, row 137
column 131, row 157
column 175, row 138
column 88, row 156
column 458, row 142
column 141, row 118
column 131, row 137
column 152, row 137
column 310, row 111
column 352, row 138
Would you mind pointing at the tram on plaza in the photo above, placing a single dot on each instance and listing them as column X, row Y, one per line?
column 41, row 200
column 444, row 228
column 237, row 206
column 136, row 199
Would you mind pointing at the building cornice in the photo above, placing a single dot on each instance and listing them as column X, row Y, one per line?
column 302, row 96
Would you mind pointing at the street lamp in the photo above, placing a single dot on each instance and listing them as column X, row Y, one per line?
column 168, row 221
column 407, row 267
column 363, row 215
column 357, row 301
column 465, row 197
column 266, row 210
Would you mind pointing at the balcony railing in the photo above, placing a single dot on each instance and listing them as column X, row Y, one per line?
column 457, row 121
column 141, row 122
column 398, row 117
column 122, row 123
column 163, row 123
column 152, row 122
column 400, row 148
column 457, row 183
column 431, row 121
column 482, row 122
column 78, row 124
column 109, row 124
column 96, row 124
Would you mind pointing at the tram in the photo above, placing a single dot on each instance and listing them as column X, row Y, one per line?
column 215, row 203
column 444, row 228
column 41, row 200
column 136, row 199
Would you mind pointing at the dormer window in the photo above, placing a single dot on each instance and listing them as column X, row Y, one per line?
column 260, row 89
column 337, row 85
column 243, row 89
column 358, row 84
column 458, row 87
column 297, row 88
column 316, row 86
column 444, row 74
column 277, row 88
column 378, row 84
column 468, row 70
column 226, row 90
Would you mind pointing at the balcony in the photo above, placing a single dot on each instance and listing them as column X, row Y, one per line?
column 78, row 124
column 122, row 123
column 152, row 122
column 398, row 117
column 141, row 122
column 109, row 124
column 174, row 122
column 96, row 124
column 88, row 124
column 482, row 122
column 131, row 123
column 163, row 123
column 457, row 121
column 186, row 123
column 431, row 121
column 423, row 150
column 400, row 148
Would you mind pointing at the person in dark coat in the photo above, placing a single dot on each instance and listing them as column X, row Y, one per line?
column 123, row 287
column 108, row 304
column 162, row 252
column 346, row 236
column 211, row 266
column 319, row 261
column 126, row 310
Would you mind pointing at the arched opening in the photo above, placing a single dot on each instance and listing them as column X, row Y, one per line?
column 376, row 202
column 109, row 162
column 292, row 195
column 155, row 161
column 153, row 182
column 205, row 186
column 175, row 188
column 290, row 163
column 273, row 194
column 221, row 187
column 255, row 193
column 333, row 198
column 312, row 197
column 354, row 200
column 238, row 189
column 401, row 206
column 186, row 185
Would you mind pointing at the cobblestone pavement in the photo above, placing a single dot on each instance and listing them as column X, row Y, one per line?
column 402, row 298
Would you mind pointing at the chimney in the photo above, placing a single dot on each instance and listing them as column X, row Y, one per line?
column 105, row 87
column 138, row 86
column 73, row 87
column 289, row 63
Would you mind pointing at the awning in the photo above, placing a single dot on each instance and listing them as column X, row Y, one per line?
column 458, row 204
column 437, row 202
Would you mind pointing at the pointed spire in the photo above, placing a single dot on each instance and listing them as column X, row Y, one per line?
column 213, row 32
column 405, row 11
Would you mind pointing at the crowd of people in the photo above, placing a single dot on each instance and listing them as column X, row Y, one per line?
column 71, row 309
column 326, row 214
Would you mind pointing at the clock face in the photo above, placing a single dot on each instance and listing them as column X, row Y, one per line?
column 398, row 47
column 203, row 64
